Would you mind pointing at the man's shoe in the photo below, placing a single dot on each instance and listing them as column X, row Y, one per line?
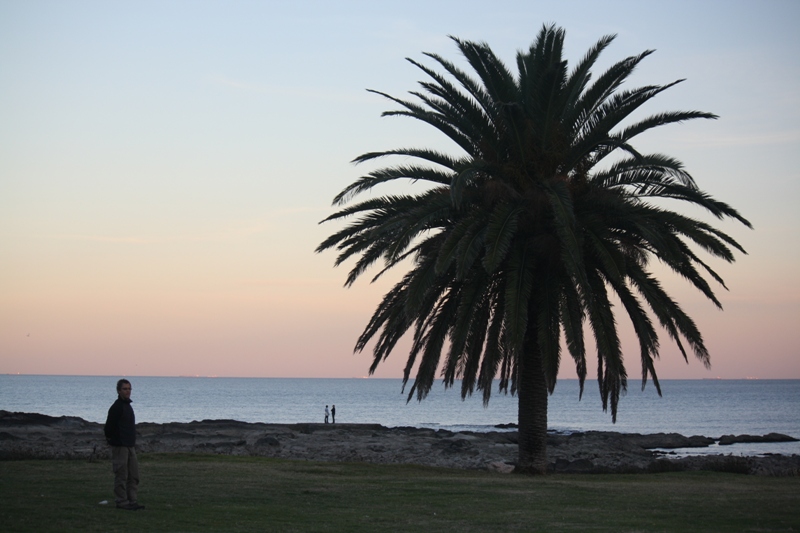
column 131, row 506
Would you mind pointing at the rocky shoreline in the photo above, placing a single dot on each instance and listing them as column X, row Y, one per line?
column 35, row 436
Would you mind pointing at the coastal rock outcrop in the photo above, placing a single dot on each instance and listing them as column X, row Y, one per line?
column 727, row 440
column 30, row 435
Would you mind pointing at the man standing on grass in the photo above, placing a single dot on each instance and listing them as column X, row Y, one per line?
column 120, row 430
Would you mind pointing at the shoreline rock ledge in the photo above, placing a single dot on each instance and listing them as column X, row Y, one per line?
column 36, row 436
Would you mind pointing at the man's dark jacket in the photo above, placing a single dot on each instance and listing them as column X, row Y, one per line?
column 120, row 428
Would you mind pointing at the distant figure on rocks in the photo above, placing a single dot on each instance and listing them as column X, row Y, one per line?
column 120, row 431
column 327, row 414
column 333, row 414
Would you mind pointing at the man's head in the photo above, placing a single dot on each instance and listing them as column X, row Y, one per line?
column 124, row 389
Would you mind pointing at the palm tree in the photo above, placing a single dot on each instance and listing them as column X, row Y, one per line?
column 525, row 238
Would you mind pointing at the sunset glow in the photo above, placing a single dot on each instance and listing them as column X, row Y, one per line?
column 164, row 167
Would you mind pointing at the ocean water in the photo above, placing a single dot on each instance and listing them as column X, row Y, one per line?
column 690, row 407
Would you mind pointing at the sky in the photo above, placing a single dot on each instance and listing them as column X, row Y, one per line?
column 164, row 166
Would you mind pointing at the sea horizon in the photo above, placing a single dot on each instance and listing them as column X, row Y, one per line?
column 120, row 376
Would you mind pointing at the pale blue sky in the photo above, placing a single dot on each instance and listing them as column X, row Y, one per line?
column 163, row 167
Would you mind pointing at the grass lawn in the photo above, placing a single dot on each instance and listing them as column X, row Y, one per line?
column 224, row 493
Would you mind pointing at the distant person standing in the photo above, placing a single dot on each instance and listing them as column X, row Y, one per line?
column 327, row 414
column 333, row 414
column 120, row 431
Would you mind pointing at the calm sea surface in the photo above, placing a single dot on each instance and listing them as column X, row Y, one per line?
column 690, row 407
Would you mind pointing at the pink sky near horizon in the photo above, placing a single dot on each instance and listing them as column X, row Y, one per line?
column 164, row 167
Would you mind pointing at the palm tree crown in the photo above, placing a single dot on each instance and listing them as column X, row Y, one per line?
column 527, row 235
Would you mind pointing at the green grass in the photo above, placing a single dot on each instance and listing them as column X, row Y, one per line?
column 223, row 493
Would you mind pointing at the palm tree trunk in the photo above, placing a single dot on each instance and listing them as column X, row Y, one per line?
column 532, row 394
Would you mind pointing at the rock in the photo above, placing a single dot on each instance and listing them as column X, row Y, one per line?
column 500, row 467
column 452, row 445
column 268, row 441
column 29, row 435
column 727, row 440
